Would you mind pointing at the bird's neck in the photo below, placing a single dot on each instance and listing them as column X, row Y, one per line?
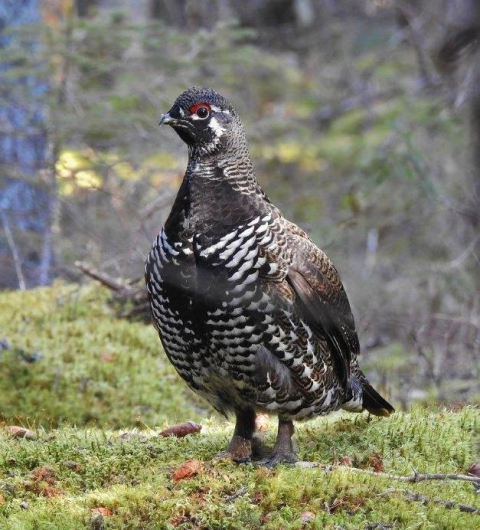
column 232, row 164
column 218, row 192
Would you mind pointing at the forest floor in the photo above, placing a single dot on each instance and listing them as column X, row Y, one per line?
column 95, row 391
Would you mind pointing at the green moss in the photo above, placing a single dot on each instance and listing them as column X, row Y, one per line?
column 92, row 367
column 131, row 476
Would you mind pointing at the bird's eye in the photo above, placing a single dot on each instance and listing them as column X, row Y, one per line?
column 202, row 110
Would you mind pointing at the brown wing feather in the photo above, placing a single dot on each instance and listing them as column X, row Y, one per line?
column 324, row 305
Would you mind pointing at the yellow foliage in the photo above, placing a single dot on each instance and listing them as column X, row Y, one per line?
column 295, row 153
column 77, row 171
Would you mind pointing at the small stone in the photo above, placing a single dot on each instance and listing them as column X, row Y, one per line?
column 474, row 469
column 24, row 505
column 4, row 344
column 97, row 522
column 8, row 488
column 307, row 517
column 20, row 432
column 30, row 358
column 73, row 466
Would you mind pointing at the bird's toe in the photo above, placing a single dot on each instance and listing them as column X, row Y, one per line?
column 278, row 458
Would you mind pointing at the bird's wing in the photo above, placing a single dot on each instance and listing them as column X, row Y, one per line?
column 320, row 298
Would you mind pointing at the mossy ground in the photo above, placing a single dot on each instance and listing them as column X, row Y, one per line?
column 130, row 386
column 92, row 368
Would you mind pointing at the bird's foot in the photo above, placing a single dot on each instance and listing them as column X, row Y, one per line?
column 278, row 458
column 284, row 449
column 239, row 450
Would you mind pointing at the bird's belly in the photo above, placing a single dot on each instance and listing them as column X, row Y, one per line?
column 237, row 346
column 260, row 361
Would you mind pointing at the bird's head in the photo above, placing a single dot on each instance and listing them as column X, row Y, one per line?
column 204, row 120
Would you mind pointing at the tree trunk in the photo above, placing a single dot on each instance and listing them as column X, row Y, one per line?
column 25, row 202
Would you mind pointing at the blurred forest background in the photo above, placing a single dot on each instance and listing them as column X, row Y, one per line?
column 363, row 119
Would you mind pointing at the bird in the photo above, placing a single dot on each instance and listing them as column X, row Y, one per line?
column 250, row 312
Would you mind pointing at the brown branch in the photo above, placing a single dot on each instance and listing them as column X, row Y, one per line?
column 101, row 277
column 411, row 496
column 125, row 292
column 416, row 477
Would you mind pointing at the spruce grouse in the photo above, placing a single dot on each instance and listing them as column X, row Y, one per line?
column 250, row 312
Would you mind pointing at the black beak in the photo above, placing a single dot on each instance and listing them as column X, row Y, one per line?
column 166, row 119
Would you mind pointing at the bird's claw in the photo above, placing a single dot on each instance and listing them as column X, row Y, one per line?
column 278, row 458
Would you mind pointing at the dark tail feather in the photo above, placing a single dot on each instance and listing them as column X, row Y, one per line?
column 374, row 402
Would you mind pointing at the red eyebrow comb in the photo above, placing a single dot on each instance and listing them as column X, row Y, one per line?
column 194, row 108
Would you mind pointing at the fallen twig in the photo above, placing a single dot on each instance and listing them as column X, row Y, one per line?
column 131, row 294
column 411, row 496
column 101, row 277
column 240, row 493
column 416, row 477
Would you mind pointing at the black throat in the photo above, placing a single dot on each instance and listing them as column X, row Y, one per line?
column 218, row 192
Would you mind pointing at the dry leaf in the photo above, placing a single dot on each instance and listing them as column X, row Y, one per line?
column 257, row 497
column 51, row 492
column 43, row 483
column 348, row 503
column 179, row 520
column 333, row 507
column 2, row 500
column 43, row 490
column 474, row 469
column 105, row 512
column 346, row 461
column 187, row 470
column 44, row 474
column 456, row 407
column 264, row 472
column 262, row 422
column 181, row 430
column 376, row 462
column 20, row 432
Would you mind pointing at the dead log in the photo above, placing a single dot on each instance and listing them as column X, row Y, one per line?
column 129, row 297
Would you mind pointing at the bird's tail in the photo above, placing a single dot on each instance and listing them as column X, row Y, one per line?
column 362, row 396
column 374, row 402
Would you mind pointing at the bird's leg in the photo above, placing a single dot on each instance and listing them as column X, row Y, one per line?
column 283, row 450
column 240, row 447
